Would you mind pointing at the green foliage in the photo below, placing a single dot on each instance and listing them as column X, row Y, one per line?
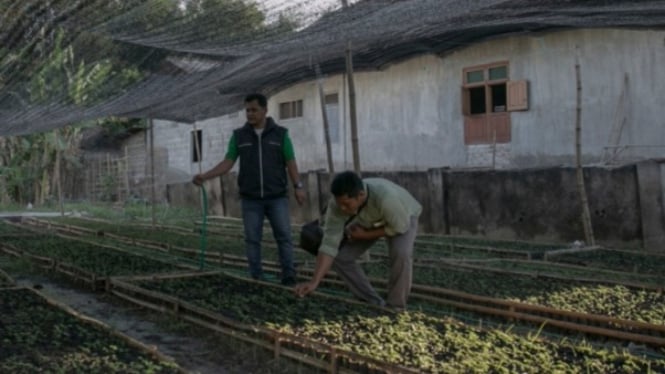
column 100, row 261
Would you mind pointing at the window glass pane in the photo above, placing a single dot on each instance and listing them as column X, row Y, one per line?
column 499, row 72
column 298, row 109
column 285, row 110
column 475, row 76
column 332, row 98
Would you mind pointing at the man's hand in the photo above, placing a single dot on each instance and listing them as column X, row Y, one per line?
column 355, row 232
column 303, row 289
column 198, row 179
column 300, row 195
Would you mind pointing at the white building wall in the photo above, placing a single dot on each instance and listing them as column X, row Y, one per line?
column 409, row 114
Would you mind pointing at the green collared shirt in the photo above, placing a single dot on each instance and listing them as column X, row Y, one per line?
column 389, row 206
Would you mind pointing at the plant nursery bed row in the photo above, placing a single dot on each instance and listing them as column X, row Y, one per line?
column 624, row 301
column 38, row 335
column 312, row 352
column 637, row 262
column 6, row 280
column 444, row 247
column 89, row 263
column 560, row 269
column 359, row 332
column 638, row 304
column 566, row 319
column 231, row 240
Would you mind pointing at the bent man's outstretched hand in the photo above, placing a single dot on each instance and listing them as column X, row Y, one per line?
column 304, row 289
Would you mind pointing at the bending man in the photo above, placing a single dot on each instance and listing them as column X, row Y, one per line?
column 360, row 212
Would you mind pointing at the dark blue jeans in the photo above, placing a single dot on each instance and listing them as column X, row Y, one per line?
column 277, row 212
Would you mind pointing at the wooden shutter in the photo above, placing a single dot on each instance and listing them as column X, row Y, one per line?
column 466, row 101
column 518, row 95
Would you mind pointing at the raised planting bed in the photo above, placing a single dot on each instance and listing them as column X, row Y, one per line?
column 410, row 339
column 39, row 336
column 646, row 305
column 5, row 279
column 636, row 262
column 186, row 244
column 446, row 302
column 538, row 267
column 87, row 262
column 9, row 229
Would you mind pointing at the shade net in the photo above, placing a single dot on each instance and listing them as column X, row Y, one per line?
column 68, row 66
column 64, row 62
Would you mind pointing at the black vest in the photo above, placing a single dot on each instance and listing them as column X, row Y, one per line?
column 262, row 173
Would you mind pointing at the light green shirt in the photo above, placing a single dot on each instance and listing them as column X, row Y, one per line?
column 389, row 206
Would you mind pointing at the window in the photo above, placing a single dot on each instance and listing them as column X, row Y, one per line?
column 290, row 109
column 487, row 97
column 197, row 145
column 485, row 89
column 332, row 113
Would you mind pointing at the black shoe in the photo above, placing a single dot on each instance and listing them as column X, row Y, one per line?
column 289, row 281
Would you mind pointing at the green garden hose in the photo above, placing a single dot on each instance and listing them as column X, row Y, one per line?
column 204, row 229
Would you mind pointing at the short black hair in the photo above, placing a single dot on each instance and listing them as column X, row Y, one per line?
column 346, row 183
column 259, row 98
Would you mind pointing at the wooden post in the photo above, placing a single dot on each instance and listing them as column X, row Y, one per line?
column 152, row 171
column 326, row 125
column 586, row 214
column 58, row 174
column 352, row 109
column 100, row 167
column 126, row 173
column 195, row 138
column 353, row 117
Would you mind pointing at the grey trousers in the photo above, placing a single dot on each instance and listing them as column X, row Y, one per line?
column 400, row 262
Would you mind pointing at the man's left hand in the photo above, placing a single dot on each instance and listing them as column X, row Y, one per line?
column 300, row 196
column 356, row 232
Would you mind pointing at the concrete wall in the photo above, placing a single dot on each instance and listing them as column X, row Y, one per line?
column 532, row 204
column 543, row 205
column 651, row 181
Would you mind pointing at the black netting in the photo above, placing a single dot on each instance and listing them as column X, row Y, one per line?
column 66, row 61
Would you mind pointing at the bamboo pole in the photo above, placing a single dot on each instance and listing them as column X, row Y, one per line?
column 127, row 188
column 586, row 214
column 326, row 125
column 58, row 171
column 197, row 149
column 152, row 171
column 352, row 109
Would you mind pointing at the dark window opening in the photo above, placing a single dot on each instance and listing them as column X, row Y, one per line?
column 499, row 97
column 197, row 145
column 477, row 100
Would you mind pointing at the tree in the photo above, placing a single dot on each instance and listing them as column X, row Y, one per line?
column 36, row 160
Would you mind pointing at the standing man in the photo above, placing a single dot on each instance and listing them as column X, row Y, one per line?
column 266, row 153
column 362, row 211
